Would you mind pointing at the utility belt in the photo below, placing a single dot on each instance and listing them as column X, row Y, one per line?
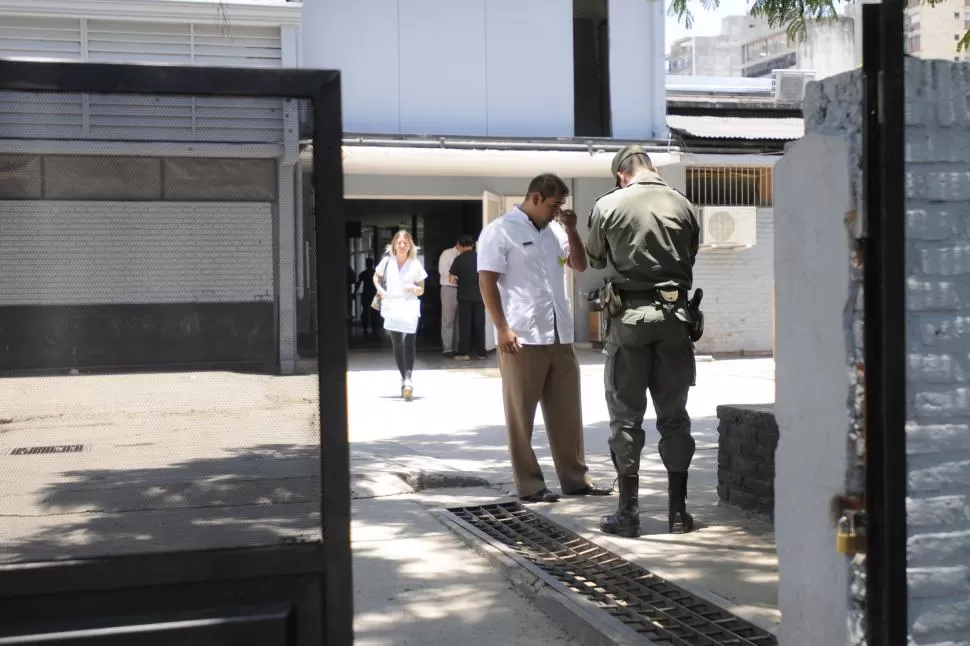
column 665, row 296
column 612, row 299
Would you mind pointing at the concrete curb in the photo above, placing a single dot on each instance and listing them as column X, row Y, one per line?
column 578, row 616
column 375, row 483
column 377, row 476
column 424, row 480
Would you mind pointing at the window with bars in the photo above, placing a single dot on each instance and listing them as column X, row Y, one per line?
column 730, row 185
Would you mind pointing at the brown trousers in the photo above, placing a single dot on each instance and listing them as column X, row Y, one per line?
column 547, row 375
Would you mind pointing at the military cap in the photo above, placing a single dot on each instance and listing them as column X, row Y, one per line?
column 622, row 155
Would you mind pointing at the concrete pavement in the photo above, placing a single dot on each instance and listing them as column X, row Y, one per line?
column 415, row 585
column 455, row 425
column 201, row 460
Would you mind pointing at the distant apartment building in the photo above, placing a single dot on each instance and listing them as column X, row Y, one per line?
column 749, row 47
column 934, row 31
column 718, row 55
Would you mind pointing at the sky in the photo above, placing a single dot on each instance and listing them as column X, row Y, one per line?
column 706, row 23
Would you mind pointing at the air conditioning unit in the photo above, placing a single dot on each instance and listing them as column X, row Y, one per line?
column 728, row 226
column 790, row 84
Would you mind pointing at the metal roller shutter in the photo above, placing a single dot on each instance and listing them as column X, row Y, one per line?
column 737, row 284
column 88, row 253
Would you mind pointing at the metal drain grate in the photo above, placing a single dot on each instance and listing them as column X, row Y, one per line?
column 660, row 611
column 44, row 450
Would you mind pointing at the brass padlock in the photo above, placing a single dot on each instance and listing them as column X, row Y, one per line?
column 845, row 536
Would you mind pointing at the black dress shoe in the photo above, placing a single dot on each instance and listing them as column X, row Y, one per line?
column 590, row 490
column 543, row 495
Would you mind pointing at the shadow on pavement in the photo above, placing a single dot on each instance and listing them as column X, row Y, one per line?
column 251, row 497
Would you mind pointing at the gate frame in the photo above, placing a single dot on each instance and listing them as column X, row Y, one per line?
column 884, row 295
column 331, row 558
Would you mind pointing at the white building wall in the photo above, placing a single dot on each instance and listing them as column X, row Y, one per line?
column 738, row 285
column 811, row 387
column 477, row 67
column 738, row 294
column 830, row 49
column 637, row 76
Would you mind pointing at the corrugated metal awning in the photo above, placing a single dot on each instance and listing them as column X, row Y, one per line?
column 752, row 128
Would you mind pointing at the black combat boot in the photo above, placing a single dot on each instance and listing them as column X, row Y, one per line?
column 677, row 501
column 626, row 520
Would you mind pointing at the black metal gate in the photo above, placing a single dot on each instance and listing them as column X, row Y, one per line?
column 149, row 228
column 886, row 618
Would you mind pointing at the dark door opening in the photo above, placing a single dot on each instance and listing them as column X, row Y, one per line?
column 591, row 68
column 435, row 226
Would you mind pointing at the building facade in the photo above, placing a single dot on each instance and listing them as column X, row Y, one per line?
column 143, row 231
column 718, row 55
column 749, row 47
column 444, row 127
column 450, row 108
column 933, row 31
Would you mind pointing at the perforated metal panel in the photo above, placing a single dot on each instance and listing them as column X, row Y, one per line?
column 85, row 253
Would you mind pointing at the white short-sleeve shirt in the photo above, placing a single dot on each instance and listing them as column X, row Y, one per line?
column 531, row 263
column 444, row 266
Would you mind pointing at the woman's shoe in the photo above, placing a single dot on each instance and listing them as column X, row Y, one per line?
column 407, row 390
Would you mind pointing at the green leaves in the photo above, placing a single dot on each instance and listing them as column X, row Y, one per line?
column 680, row 9
column 793, row 15
column 964, row 43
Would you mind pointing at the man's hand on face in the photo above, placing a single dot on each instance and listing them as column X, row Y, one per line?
column 567, row 218
column 508, row 341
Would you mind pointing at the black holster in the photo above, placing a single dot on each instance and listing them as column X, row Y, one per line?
column 696, row 325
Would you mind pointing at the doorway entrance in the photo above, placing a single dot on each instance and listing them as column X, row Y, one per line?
column 435, row 226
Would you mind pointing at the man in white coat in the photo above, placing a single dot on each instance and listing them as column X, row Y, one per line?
column 521, row 263
column 449, row 302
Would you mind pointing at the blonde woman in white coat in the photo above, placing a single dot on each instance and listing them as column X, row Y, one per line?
column 399, row 279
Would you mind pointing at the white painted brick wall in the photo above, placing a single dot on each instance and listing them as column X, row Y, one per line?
column 737, row 284
column 938, row 321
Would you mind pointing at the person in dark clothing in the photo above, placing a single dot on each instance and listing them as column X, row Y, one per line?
column 471, row 307
column 365, row 283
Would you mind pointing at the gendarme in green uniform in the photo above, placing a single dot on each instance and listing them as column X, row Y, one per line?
column 648, row 233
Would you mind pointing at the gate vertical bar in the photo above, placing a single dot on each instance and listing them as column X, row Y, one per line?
column 873, row 262
column 332, row 256
column 885, row 328
column 893, row 142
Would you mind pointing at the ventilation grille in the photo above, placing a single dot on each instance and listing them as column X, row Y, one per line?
column 730, row 185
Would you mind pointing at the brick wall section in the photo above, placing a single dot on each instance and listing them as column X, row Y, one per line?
column 938, row 321
column 747, row 440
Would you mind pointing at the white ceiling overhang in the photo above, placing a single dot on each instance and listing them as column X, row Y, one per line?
column 453, row 162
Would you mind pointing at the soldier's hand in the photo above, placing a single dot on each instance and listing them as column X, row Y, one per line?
column 567, row 218
column 508, row 341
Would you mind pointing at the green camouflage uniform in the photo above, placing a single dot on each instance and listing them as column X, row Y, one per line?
column 649, row 234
